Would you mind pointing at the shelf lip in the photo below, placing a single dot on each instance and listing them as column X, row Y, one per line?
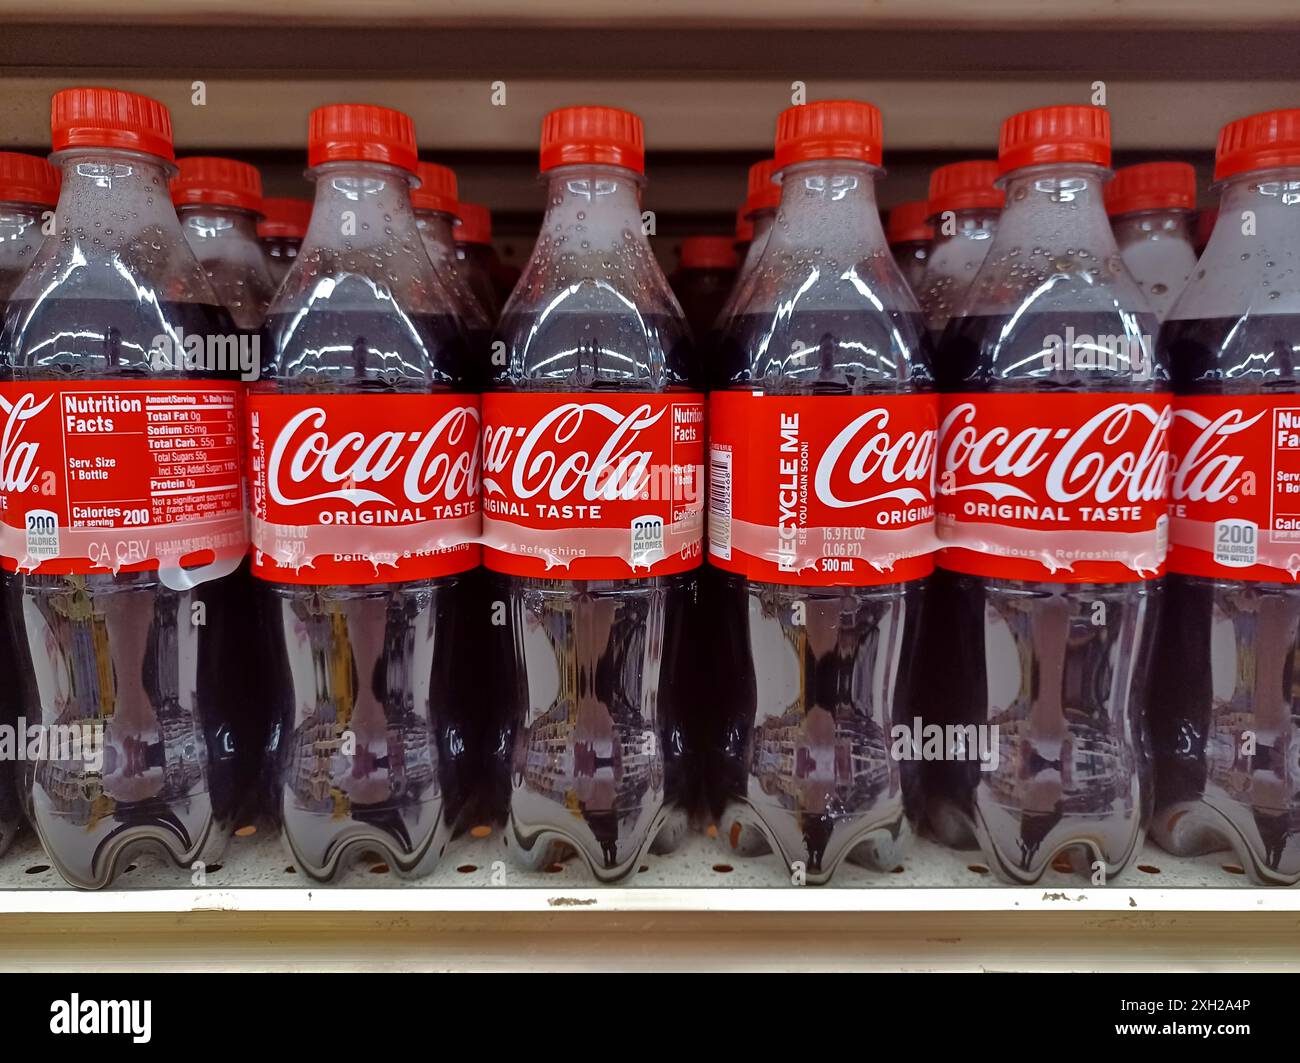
column 919, row 14
column 650, row 900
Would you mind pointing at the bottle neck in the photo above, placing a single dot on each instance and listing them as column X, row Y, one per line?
column 205, row 221
column 593, row 208
column 114, row 195
column 830, row 203
column 439, row 235
column 1057, row 207
column 365, row 204
column 1143, row 226
column 1247, row 264
column 1272, row 199
column 973, row 224
column 20, row 224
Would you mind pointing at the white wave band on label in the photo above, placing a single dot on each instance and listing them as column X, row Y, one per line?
column 225, row 537
column 1142, row 551
column 297, row 546
column 559, row 547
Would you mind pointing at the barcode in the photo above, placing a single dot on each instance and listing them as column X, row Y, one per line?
column 720, row 502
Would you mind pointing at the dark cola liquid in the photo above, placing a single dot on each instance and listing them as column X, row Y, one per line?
column 1052, row 676
column 808, row 682
column 599, row 687
column 399, row 664
column 1225, row 722
column 124, row 652
column 702, row 294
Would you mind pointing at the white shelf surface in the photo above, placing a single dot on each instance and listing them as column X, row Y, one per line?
column 704, row 875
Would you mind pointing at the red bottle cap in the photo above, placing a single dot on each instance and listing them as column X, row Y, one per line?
column 828, row 129
column 602, row 135
column 438, row 189
column 1264, row 141
column 1152, row 186
column 475, row 224
column 1071, row 133
column 110, row 118
column 907, row 223
column 744, row 227
column 361, row 132
column 216, row 182
column 764, row 193
column 27, row 179
column 965, row 186
column 708, row 252
column 284, row 217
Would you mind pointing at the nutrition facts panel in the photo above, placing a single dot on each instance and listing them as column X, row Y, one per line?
column 119, row 473
column 150, row 457
column 1285, row 522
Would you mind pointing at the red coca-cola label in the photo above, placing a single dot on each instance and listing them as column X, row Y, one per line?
column 122, row 476
column 1235, row 489
column 352, row 488
column 822, row 490
column 1058, row 487
column 593, row 486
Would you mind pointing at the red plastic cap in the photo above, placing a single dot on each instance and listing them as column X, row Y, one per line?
column 284, row 217
column 27, row 179
column 1265, row 141
column 438, row 189
column 475, row 224
column 744, row 227
column 763, row 192
column 1152, row 186
column 907, row 223
column 110, row 118
column 1072, row 133
column 708, row 252
column 217, row 182
column 361, row 132
column 601, row 135
column 828, row 129
column 965, row 186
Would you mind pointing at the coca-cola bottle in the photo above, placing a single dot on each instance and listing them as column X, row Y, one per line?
column 29, row 188
column 219, row 201
column 124, row 511
column 434, row 200
column 593, row 511
column 822, row 430
column 365, row 446
column 1052, row 465
column 1225, row 726
column 281, row 231
column 759, row 212
column 744, row 233
column 910, row 236
column 1151, row 208
column 476, row 259
column 964, row 208
column 706, row 271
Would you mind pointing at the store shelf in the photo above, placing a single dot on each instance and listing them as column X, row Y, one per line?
column 255, row 875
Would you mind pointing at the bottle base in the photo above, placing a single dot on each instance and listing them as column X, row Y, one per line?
column 1198, row 827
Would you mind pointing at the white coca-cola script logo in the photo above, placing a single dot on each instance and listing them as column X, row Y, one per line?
column 1204, row 473
column 551, row 456
column 1096, row 459
column 876, row 456
column 441, row 461
column 18, row 466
